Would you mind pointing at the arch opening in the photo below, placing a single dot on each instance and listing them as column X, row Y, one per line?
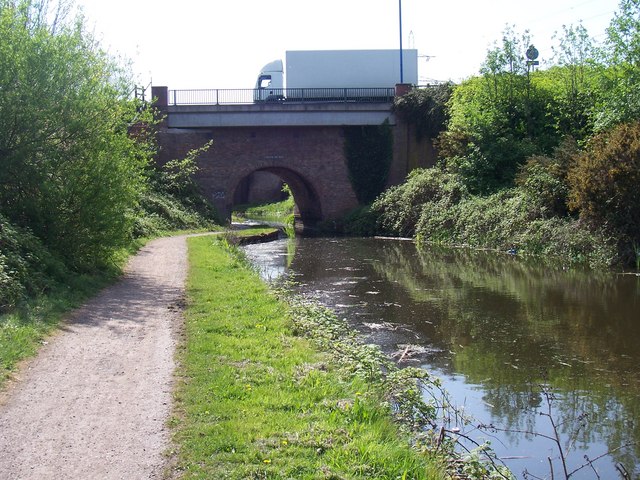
column 267, row 182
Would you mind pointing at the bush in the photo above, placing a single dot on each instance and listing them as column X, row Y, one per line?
column 175, row 196
column 486, row 163
column 174, row 200
column 566, row 239
column 486, row 222
column 161, row 212
column 510, row 221
column 544, row 179
column 604, row 183
column 400, row 207
column 26, row 267
column 361, row 222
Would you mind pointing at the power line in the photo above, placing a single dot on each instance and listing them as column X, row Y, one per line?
column 557, row 13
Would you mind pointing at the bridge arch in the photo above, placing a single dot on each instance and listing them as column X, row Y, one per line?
column 308, row 205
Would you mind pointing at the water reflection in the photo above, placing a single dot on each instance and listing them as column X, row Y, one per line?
column 495, row 328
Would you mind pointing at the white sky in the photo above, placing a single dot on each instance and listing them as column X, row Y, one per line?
column 223, row 44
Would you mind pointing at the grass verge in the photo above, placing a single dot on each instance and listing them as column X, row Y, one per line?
column 279, row 212
column 275, row 212
column 254, row 400
column 23, row 330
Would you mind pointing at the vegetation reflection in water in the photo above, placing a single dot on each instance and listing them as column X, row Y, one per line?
column 497, row 329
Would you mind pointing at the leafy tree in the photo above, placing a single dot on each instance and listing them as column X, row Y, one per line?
column 510, row 113
column 498, row 119
column 505, row 70
column 621, row 72
column 573, row 82
column 543, row 179
column 71, row 172
column 576, row 52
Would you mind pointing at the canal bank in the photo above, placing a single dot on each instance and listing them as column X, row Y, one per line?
column 256, row 399
column 507, row 337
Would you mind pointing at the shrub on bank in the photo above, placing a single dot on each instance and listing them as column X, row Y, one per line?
column 544, row 178
column 174, row 200
column 566, row 239
column 511, row 220
column 399, row 208
column 604, row 185
column 164, row 213
column 435, row 207
column 27, row 268
column 361, row 222
column 475, row 221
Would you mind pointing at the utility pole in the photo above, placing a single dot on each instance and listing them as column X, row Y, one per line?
column 401, row 56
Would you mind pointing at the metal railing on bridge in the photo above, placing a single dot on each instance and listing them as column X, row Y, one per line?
column 291, row 95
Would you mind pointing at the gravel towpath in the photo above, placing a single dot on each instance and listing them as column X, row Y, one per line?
column 94, row 403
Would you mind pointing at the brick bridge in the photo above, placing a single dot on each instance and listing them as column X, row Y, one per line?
column 302, row 144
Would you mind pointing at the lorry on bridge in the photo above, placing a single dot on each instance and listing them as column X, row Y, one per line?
column 336, row 75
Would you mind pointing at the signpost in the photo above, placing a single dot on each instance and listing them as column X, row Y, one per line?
column 532, row 55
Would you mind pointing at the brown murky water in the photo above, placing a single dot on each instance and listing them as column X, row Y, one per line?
column 497, row 330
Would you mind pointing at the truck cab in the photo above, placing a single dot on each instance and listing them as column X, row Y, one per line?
column 270, row 83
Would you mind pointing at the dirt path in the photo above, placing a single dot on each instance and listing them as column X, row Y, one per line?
column 94, row 403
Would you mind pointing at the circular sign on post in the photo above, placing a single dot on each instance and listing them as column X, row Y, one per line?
column 532, row 52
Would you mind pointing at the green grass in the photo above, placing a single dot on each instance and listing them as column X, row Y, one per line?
column 279, row 212
column 273, row 212
column 266, row 211
column 24, row 329
column 256, row 401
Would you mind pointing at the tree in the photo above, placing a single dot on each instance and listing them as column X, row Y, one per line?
column 71, row 172
column 505, row 66
column 575, row 51
column 497, row 119
column 621, row 70
column 574, row 82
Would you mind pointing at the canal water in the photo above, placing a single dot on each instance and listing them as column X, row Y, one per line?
column 518, row 344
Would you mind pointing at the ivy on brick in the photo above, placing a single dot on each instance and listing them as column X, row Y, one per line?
column 369, row 151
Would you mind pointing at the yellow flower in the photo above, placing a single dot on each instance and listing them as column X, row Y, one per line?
column 267, row 461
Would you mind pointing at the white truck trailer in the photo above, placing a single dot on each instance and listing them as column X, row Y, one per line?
column 332, row 75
